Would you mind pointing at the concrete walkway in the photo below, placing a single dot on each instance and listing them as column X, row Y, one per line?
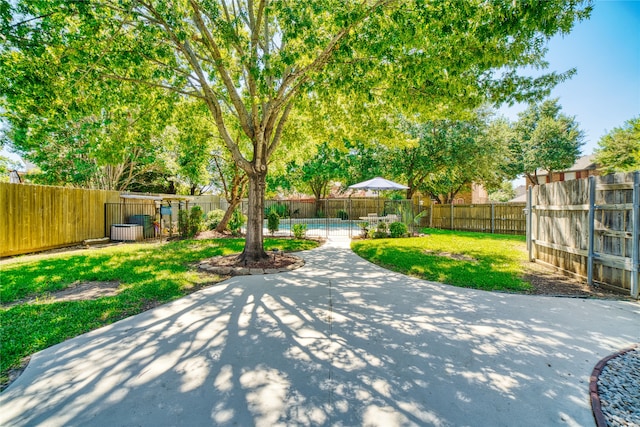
column 338, row 342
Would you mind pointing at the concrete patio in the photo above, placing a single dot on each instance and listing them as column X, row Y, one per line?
column 337, row 342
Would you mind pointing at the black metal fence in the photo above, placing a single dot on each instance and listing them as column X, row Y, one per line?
column 140, row 221
column 327, row 217
column 340, row 217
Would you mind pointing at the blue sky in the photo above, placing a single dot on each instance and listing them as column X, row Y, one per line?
column 605, row 49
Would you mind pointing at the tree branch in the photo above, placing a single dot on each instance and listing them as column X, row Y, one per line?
column 211, row 44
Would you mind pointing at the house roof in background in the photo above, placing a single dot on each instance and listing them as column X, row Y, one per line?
column 519, row 199
column 583, row 163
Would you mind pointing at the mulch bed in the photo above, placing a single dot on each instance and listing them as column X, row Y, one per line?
column 546, row 281
column 281, row 260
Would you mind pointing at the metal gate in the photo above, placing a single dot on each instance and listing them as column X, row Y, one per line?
column 338, row 217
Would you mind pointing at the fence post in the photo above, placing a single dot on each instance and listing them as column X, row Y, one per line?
column 529, row 223
column 635, row 233
column 451, row 214
column 431, row 215
column 493, row 218
column 591, row 220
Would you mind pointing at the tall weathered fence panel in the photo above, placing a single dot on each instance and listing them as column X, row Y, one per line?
column 501, row 218
column 34, row 217
column 589, row 228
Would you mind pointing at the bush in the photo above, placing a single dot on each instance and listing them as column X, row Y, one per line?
column 299, row 230
column 273, row 221
column 381, row 231
column 213, row 218
column 236, row 222
column 342, row 214
column 183, row 222
column 190, row 222
column 364, row 228
column 398, row 229
column 196, row 221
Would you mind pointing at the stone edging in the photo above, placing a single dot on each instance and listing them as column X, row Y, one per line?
column 244, row 271
column 596, row 405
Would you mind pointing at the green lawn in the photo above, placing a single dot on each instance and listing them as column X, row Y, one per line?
column 472, row 260
column 149, row 274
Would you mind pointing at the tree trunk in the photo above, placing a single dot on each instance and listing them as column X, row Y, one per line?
column 318, row 206
column 253, row 250
column 410, row 192
column 222, row 225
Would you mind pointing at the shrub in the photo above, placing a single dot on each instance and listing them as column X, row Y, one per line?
column 183, row 223
column 190, row 222
column 342, row 214
column 236, row 222
column 364, row 228
column 213, row 218
column 273, row 221
column 381, row 231
column 196, row 221
column 299, row 230
column 398, row 229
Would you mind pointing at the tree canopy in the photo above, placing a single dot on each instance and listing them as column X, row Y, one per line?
column 251, row 61
column 543, row 138
column 619, row 150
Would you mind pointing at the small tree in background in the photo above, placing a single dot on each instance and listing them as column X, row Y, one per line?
column 543, row 138
column 273, row 221
column 619, row 150
column 504, row 193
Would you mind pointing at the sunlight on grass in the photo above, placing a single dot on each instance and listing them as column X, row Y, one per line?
column 147, row 273
column 474, row 260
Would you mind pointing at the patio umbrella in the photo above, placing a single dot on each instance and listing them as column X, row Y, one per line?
column 378, row 184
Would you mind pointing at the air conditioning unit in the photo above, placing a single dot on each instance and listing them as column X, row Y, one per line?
column 126, row 232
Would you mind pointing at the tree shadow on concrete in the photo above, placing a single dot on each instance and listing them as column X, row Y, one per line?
column 338, row 342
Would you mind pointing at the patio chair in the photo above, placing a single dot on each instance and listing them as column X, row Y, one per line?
column 391, row 218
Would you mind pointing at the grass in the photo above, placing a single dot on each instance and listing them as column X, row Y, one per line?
column 486, row 261
column 149, row 274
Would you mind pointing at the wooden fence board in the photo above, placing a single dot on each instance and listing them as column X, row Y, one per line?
column 501, row 218
column 34, row 217
column 560, row 228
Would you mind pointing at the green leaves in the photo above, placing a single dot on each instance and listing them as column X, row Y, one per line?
column 543, row 138
column 619, row 150
column 253, row 63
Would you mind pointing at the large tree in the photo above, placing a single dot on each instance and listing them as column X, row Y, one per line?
column 251, row 61
column 447, row 155
column 464, row 152
column 619, row 150
column 543, row 138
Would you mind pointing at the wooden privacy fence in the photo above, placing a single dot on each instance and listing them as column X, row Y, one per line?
column 500, row 218
column 589, row 228
column 35, row 217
